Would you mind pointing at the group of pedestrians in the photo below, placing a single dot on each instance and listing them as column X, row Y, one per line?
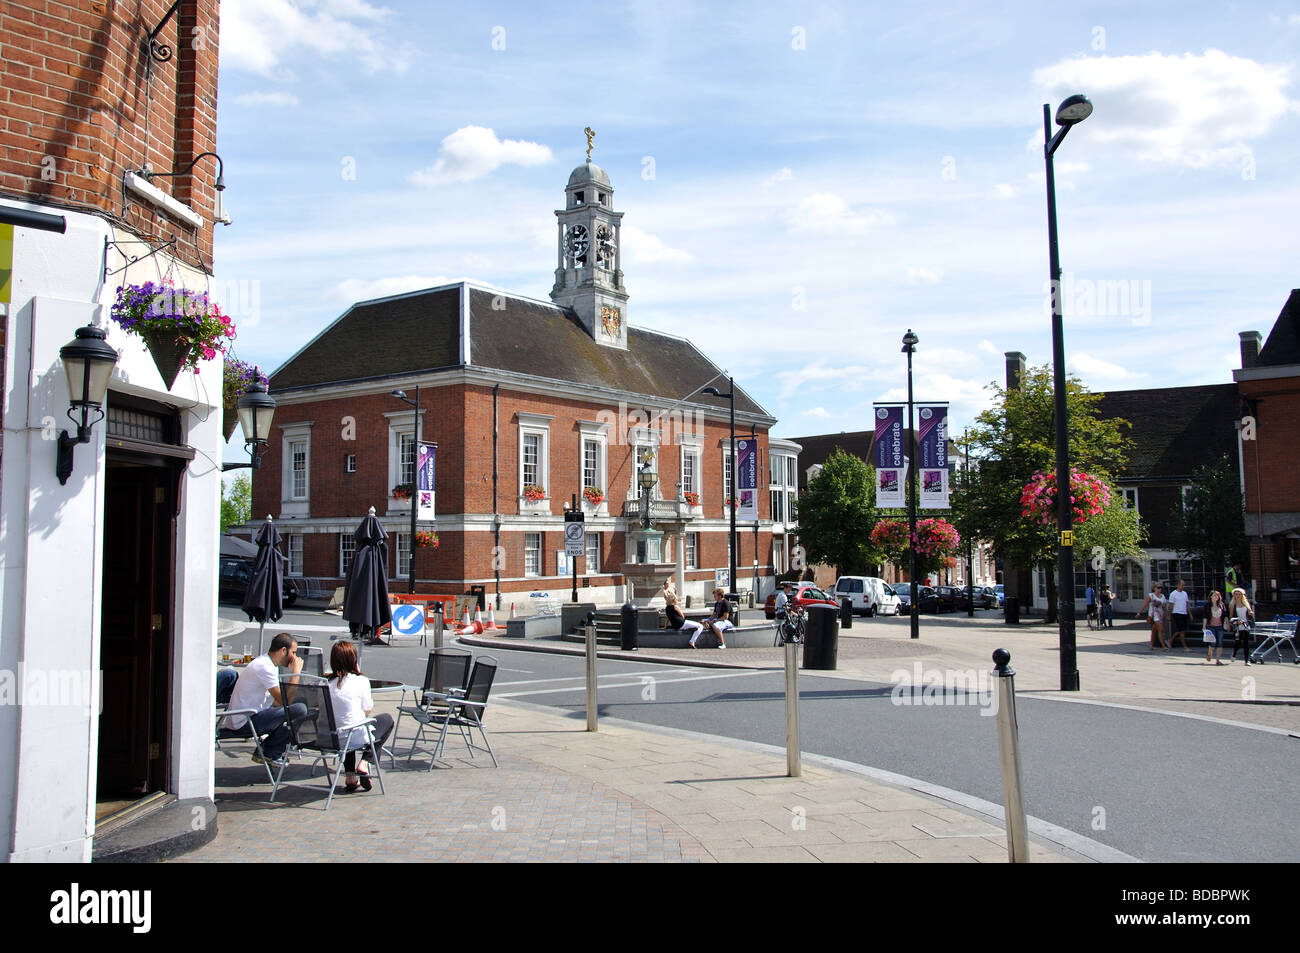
column 1172, row 615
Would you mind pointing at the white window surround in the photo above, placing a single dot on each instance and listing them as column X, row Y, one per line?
column 692, row 446
column 537, row 425
column 294, row 547
column 592, row 565
column 399, row 422
column 290, row 505
column 347, row 550
column 401, row 567
column 533, row 549
column 641, row 439
column 597, row 432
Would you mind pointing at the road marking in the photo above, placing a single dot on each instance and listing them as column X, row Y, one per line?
column 582, row 678
column 658, row 681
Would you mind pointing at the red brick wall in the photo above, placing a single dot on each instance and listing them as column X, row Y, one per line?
column 1269, row 460
column 83, row 103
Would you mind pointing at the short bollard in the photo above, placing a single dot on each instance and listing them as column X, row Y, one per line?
column 1009, row 746
column 437, row 625
column 792, row 761
column 590, row 633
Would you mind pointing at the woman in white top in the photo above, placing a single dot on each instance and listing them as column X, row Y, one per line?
column 352, row 704
column 1216, row 615
column 1240, row 618
column 1154, row 607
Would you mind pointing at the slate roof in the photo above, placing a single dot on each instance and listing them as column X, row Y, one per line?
column 1176, row 430
column 421, row 331
column 817, row 448
column 1283, row 345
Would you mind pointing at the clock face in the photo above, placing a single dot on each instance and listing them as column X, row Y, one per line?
column 605, row 246
column 576, row 242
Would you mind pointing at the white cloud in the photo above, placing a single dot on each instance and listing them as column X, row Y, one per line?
column 783, row 176
column 846, row 377
column 820, row 412
column 1004, row 190
column 987, row 347
column 366, row 289
column 259, row 35
column 826, row 211
column 1088, row 367
column 1294, row 19
column 267, row 99
column 471, row 152
column 640, row 246
column 1193, row 110
column 924, row 276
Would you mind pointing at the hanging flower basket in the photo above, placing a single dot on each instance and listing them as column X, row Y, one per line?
column 533, row 492
column 426, row 540
column 692, row 498
column 402, row 491
column 1089, row 496
column 236, row 377
column 593, row 494
column 179, row 326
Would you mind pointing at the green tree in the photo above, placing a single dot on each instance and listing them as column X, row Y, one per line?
column 1016, row 438
column 837, row 512
column 1211, row 525
column 237, row 503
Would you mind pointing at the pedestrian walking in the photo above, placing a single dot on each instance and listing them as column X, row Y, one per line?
column 1179, row 613
column 1241, row 618
column 1107, row 610
column 1090, row 605
column 1215, row 615
column 1154, row 607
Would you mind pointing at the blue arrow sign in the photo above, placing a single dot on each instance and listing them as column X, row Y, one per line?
column 408, row 619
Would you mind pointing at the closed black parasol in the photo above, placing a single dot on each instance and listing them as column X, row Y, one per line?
column 365, row 591
column 264, row 600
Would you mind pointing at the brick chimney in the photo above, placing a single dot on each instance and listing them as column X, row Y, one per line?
column 1249, row 348
column 1016, row 369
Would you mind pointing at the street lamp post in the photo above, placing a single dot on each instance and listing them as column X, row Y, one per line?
column 1074, row 109
column 910, row 341
column 731, row 535
column 415, row 481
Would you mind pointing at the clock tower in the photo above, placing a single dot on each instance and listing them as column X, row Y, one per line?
column 589, row 274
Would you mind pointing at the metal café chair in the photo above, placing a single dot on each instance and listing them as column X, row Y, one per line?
column 446, row 673
column 313, row 659
column 316, row 731
column 466, row 711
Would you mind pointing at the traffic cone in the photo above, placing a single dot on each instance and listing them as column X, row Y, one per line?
column 465, row 623
column 478, row 621
column 512, row 610
column 492, row 619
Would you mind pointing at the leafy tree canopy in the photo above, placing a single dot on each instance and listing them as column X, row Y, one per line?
column 837, row 512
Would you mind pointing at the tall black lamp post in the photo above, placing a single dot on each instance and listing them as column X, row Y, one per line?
column 731, row 536
column 1074, row 109
column 910, row 341
column 415, row 479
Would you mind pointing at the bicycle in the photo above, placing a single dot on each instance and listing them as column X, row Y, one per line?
column 790, row 626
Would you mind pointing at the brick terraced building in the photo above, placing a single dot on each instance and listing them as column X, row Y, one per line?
column 556, row 396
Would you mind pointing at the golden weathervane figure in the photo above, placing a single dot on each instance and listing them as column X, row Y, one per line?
column 590, row 136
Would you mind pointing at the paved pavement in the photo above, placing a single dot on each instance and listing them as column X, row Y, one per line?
column 624, row 793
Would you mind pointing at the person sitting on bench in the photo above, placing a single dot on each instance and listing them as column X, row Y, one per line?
column 720, row 621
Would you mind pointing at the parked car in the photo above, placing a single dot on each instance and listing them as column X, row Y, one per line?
column 985, row 597
column 870, row 595
column 926, row 597
column 947, row 598
column 232, row 583
column 805, row 594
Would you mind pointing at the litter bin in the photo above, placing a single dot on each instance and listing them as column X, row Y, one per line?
column 627, row 627
column 1013, row 610
column 821, row 638
column 479, row 593
column 846, row 613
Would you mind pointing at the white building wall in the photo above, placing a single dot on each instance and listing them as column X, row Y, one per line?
column 51, row 539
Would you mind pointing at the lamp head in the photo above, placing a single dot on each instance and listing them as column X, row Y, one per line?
column 399, row 394
column 1073, row 109
column 910, row 341
column 256, row 410
column 712, row 390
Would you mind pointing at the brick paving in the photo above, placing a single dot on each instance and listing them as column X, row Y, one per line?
column 621, row 794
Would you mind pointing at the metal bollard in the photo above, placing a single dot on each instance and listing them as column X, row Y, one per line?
column 792, row 761
column 1009, row 746
column 590, row 634
column 437, row 625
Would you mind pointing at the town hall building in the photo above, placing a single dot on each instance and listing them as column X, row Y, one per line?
column 534, row 405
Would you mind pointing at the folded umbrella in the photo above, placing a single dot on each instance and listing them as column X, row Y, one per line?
column 264, row 600
column 365, row 591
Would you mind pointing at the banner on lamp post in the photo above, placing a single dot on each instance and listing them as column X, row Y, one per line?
column 747, row 479
column 932, row 448
column 424, row 472
column 891, row 465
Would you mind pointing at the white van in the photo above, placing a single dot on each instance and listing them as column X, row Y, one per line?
column 870, row 594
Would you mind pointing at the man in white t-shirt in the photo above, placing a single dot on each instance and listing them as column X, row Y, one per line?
column 1179, row 613
column 258, row 688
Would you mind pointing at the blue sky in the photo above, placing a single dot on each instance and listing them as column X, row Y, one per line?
column 802, row 183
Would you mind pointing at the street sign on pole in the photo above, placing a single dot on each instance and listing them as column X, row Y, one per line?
column 575, row 540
